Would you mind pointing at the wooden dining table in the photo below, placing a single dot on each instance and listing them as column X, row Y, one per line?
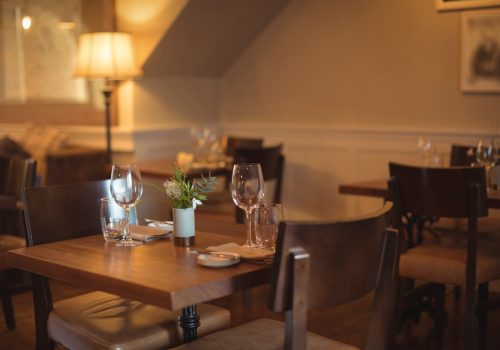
column 156, row 272
column 379, row 188
column 165, row 168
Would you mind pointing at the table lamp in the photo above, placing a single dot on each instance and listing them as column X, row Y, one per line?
column 108, row 55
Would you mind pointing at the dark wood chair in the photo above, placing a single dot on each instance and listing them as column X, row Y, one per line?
column 272, row 162
column 154, row 204
column 319, row 265
column 231, row 143
column 462, row 155
column 62, row 212
column 449, row 193
column 14, row 174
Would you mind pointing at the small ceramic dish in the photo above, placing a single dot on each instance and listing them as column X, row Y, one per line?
column 218, row 259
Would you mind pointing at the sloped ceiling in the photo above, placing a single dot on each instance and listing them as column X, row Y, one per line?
column 208, row 36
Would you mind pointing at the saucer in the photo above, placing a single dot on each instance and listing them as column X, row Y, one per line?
column 218, row 259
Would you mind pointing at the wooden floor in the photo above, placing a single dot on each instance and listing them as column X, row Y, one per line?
column 346, row 323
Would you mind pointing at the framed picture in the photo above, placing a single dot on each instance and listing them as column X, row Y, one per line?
column 480, row 52
column 444, row 5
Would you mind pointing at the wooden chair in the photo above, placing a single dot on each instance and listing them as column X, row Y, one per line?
column 462, row 155
column 95, row 319
column 449, row 193
column 231, row 143
column 319, row 265
column 154, row 204
column 14, row 174
column 272, row 163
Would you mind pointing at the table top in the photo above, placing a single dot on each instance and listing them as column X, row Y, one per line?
column 156, row 272
column 378, row 188
column 165, row 168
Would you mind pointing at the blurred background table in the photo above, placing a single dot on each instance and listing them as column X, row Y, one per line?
column 165, row 168
column 378, row 188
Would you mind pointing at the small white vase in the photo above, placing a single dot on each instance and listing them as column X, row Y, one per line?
column 184, row 229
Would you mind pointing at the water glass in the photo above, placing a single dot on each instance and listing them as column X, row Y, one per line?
column 112, row 220
column 267, row 218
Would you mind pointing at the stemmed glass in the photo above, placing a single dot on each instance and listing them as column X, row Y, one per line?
column 247, row 190
column 487, row 155
column 126, row 189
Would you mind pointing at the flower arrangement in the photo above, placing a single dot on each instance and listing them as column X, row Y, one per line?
column 186, row 193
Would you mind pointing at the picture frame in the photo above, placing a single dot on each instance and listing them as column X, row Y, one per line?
column 480, row 51
column 447, row 5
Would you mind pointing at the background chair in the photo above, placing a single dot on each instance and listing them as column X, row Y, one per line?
column 272, row 163
column 231, row 143
column 448, row 193
column 462, row 155
column 154, row 204
column 319, row 265
column 68, row 211
column 14, row 174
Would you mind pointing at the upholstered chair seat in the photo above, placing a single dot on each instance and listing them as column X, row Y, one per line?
column 444, row 261
column 262, row 334
column 99, row 320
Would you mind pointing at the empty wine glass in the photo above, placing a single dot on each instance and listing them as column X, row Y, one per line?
column 126, row 189
column 247, row 190
column 487, row 155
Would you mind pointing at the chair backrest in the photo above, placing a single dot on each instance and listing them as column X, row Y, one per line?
column 271, row 161
column 55, row 213
column 154, row 204
column 320, row 265
column 462, row 155
column 231, row 143
column 441, row 192
column 16, row 173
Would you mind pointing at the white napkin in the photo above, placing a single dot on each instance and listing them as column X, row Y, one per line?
column 165, row 225
column 257, row 255
column 146, row 234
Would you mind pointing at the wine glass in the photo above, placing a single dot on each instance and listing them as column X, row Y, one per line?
column 126, row 189
column 247, row 190
column 487, row 155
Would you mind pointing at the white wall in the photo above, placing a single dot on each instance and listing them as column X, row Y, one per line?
column 348, row 86
column 369, row 63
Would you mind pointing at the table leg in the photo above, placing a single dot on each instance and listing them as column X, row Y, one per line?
column 189, row 322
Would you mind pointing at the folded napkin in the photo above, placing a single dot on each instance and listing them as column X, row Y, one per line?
column 254, row 255
column 146, row 234
column 165, row 225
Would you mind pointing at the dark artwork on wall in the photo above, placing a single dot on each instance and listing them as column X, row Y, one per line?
column 480, row 56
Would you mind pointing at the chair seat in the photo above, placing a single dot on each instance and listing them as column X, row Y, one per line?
column 8, row 242
column 444, row 261
column 99, row 320
column 488, row 228
column 262, row 334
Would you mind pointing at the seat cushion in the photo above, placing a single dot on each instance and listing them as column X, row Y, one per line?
column 262, row 334
column 488, row 228
column 8, row 242
column 444, row 260
column 100, row 320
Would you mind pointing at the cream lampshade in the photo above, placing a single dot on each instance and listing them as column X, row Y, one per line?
column 108, row 55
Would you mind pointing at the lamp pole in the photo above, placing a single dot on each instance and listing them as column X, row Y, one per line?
column 107, row 93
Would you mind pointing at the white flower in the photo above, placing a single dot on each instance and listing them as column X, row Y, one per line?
column 196, row 202
column 172, row 189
